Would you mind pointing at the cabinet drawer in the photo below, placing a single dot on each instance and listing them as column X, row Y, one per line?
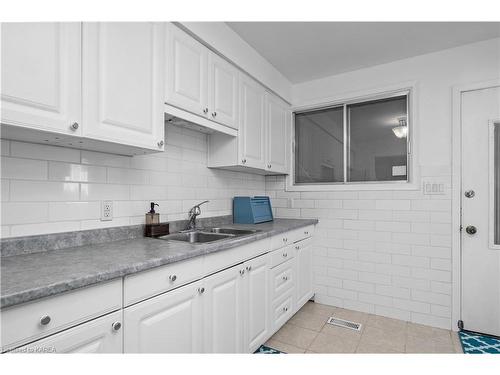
column 149, row 283
column 302, row 244
column 34, row 320
column 282, row 310
column 101, row 335
column 288, row 238
column 282, row 279
column 281, row 255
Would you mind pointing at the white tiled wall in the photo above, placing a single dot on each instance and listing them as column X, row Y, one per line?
column 382, row 252
column 48, row 189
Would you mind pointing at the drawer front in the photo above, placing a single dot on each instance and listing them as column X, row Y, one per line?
column 302, row 244
column 282, row 310
column 101, row 335
column 282, row 278
column 150, row 283
column 282, row 255
column 288, row 238
column 34, row 320
column 227, row 258
column 303, row 233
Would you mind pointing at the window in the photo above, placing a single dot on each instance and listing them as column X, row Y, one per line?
column 353, row 143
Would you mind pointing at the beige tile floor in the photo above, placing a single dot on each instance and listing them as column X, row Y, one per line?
column 307, row 332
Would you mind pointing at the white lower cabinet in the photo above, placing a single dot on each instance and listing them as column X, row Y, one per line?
column 303, row 258
column 169, row 323
column 223, row 311
column 102, row 335
column 256, row 304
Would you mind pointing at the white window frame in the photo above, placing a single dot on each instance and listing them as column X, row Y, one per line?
column 413, row 175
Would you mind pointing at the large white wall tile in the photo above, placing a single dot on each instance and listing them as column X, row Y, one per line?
column 24, row 169
column 76, row 172
column 42, row 191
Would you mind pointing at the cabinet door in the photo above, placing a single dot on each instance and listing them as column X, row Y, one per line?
column 223, row 311
column 277, row 123
column 168, row 323
column 257, row 300
column 187, row 72
column 252, row 123
column 123, row 81
column 41, row 75
column 222, row 91
column 304, row 273
column 102, row 335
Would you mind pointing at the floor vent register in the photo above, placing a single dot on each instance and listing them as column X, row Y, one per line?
column 344, row 323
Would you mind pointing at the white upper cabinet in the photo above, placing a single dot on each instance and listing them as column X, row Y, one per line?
column 123, row 79
column 41, row 76
column 187, row 72
column 223, row 91
column 278, row 121
column 252, row 130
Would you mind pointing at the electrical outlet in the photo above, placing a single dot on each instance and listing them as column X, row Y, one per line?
column 433, row 188
column 107, row 211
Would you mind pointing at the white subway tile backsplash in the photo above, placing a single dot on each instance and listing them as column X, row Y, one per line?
column 66, row 211
column 76, row 172
column 49, row 227
column 43, row 191
column 24, row 169
column 98, row 192
column 24, row 213
column 5, row 147
column 107, row 160
column 392, row 204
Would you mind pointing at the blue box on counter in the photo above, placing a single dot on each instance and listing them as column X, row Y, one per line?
column 252, row 210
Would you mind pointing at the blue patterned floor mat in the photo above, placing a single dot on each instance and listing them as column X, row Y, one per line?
column 267, row 350
column 474, row 343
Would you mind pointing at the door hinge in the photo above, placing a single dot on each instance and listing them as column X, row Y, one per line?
column 460, row 324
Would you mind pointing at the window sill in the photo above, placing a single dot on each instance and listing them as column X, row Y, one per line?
column 354, row 186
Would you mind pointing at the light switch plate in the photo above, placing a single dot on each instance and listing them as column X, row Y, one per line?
column 433, row 188
column 107, row 210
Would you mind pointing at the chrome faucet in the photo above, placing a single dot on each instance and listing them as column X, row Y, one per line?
column 193, row 213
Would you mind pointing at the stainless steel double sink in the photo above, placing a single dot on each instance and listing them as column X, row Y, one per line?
column 207, row 235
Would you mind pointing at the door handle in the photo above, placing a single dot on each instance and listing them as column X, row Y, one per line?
column 471, row 229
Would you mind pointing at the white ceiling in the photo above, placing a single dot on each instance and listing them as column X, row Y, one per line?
column 303, row 51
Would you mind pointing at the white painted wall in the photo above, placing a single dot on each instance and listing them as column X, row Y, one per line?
column 223, row 39
column 48, row 189
column 389, row 252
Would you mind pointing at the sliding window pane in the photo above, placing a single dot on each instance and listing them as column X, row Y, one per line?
column 319, row 146
column 377, row 147
column 496, row 182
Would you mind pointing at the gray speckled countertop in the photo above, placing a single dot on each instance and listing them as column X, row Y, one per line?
column 28, row 277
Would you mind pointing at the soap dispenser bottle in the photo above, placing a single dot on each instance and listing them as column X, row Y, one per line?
column 152, row 217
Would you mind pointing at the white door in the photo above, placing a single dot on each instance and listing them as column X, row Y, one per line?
column 304, row 272
column 41, row 75
column 169, row 323
column 123, row 79
column 481, row 210
column 257, row 302
column 223, row 312
column 252, row 123
column 222, row 91
column 102, row 335
column 186, row 72
column 277, row 121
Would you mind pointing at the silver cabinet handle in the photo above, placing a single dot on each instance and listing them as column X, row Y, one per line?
column 44, row 320
column 285, row 255
column 214, row 114
column 285, row 239
column 201, row 290
column 269, row 166
column 249, row 268
column 242, row 272
column 161, row 143
column 74, row 126
column 285, row 278
column 244, row 161
column 285, row 309
column 116, row 326
column 306, row 232
column 297, row 247
column 172, row 278
column 205, row 111
column 470, row 194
